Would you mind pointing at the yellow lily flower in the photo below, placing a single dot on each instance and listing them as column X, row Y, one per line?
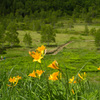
column 54, row 65
column 32, row 74
column 37, row 57
column 39, row 72
column 54, row 76
column 41, row 49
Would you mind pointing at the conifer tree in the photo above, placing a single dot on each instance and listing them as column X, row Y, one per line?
column 27, row 39
column 12, row 34
column 97, row 39
column 47, row 34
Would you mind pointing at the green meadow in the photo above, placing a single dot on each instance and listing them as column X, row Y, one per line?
column 80, row 56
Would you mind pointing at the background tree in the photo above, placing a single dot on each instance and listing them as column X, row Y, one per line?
column 47, row 34
column 86, row 30
column 27, row 39
column 88, row 18
column 93, row 31
column 97, row 39
column 37, row 25
column 2, row 35
column 12, row 34
column 70, row 24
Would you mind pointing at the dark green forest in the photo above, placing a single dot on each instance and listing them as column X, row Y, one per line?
column 34, row 14
column 63, row 7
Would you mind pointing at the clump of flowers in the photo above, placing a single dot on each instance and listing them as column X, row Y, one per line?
column 14, row 80
column 38, row 72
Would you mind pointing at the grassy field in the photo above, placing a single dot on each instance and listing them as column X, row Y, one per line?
column 78, row 57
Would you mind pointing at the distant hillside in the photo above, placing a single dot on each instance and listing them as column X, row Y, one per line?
column 69, row 7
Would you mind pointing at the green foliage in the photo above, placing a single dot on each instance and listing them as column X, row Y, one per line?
column 12, row 34
column 37, row 25
column 70, row 24
column 93, row 31
column 47, row 34
column 61, row 24
column 44, row 89
column 2, row 38
column 28, row 7
column 27, row 39
column 97, row 38
column 2, row 34
column 88, row 18
column 52, row 19
column 26, row 23
column 86, row 31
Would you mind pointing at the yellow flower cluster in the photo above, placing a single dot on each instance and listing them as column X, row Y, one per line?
column 81, row 76
column 54, row 65
column 14, row 80
column 38, row 72
column 38, row 55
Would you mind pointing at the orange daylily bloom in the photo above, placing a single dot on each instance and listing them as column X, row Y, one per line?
column 54, row 76
column 98, row 68
column 39, row 72
column 12, row 80
column 32, row 74
column 41, row 49
column 37, row 57
column 18, row 77
column 72, row 80
column 54, row 65
column 31, row 53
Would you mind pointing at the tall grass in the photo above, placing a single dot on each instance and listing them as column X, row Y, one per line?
column 61, row 87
